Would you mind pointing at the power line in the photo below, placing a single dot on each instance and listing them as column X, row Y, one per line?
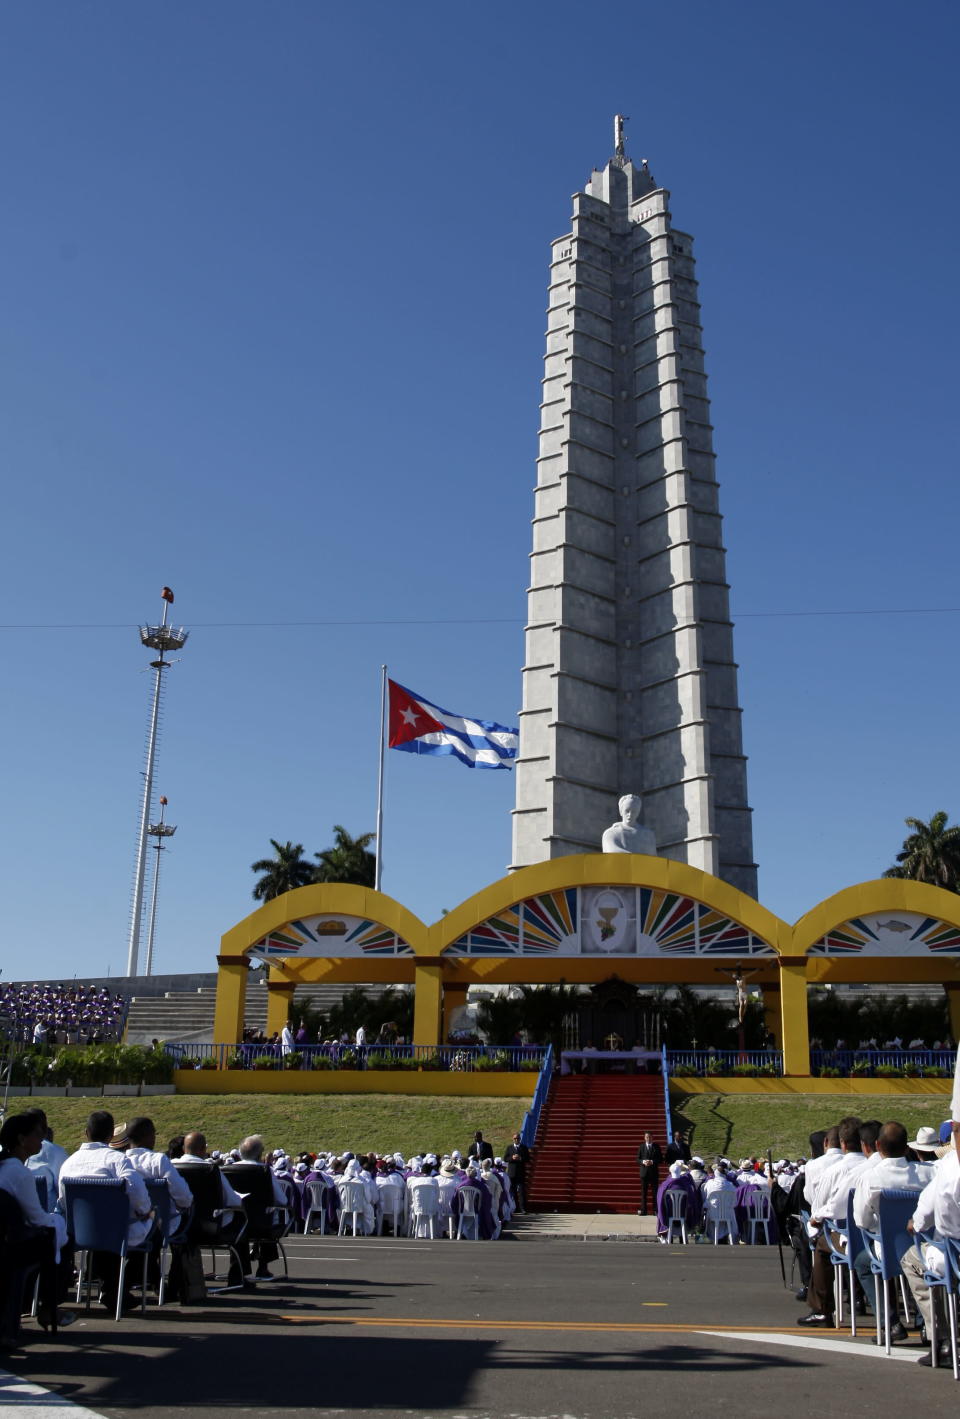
column 456, row 621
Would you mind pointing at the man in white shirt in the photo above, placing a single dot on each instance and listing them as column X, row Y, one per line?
column 830, row 1195
column 264, row 1250
column 50, row 1158
column 938, row 1209
column 20, row 1137
column 815, row 1166
column 195, row 1153
column 286, row 1040
column 833, row 1189
column 156, row 1166
column 892, row 1169
column 96, row 1159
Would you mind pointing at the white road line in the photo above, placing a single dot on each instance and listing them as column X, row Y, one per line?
column 411, row 1247
column 804, row 1342
column 34, row 1402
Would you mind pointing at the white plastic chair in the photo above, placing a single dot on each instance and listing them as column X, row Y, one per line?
column 676, row 1210
column 720, row 1212
column 424, row 1210
column 353, row 1201
column 318, row 1205
column 759, row 1214
column 469, row 1213
column 391, row 1199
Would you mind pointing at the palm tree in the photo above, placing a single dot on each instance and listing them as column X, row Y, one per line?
column 282, row 873
column 931, row 853
column 499, row 1019
column 542, row 1011
column 348, row 859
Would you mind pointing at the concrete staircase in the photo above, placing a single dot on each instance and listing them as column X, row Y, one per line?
column 590, row 1129
column 186, row 1017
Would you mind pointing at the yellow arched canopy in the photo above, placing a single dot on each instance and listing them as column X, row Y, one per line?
column 581, row 919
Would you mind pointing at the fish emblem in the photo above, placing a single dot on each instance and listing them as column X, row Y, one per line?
column 897, row 926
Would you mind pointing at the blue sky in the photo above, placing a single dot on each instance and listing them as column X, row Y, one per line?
column 275, row 280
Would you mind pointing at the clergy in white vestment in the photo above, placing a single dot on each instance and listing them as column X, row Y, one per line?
column 352, row 1174
column 716, row 1184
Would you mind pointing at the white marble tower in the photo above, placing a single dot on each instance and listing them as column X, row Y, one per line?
column 630, row 683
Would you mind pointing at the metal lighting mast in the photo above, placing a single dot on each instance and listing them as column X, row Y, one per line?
column 159, row 831
column 163, row 639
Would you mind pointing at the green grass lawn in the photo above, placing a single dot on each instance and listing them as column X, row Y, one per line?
column 736, row 1125
column 360, row 1122
column 741, row 1125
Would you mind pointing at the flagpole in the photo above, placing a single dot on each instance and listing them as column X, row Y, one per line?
column 383, row 725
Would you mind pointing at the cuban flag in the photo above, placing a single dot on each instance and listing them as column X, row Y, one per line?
column 419, row 727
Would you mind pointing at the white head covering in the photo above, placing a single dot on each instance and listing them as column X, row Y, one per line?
column 677, row 1169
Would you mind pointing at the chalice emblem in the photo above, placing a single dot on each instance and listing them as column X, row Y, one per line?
column 605, row 924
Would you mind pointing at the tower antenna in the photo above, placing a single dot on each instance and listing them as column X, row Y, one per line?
column 619, row 143
column 163, row 639
column 159, row 830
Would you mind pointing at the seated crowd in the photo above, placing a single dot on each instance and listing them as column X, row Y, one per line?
column 852, row 1164
column 243, row 1201
column 41, row 1013
column 812, row 1202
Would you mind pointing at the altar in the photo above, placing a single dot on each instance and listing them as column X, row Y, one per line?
column 610, row 1061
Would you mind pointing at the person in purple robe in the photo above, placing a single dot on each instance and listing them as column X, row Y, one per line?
column 678, row 1177
column 487, row 1224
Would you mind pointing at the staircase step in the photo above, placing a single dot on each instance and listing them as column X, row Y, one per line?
column 587, row 1118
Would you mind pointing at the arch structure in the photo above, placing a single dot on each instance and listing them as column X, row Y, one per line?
column 582, row 919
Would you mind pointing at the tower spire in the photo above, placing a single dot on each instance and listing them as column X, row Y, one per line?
column 619, row 148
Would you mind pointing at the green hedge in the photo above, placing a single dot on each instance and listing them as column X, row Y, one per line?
column 92, row 1064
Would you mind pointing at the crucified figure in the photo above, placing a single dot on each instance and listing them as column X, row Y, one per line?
column 740, row 979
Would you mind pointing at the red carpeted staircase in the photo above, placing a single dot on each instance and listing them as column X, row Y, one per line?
column 586, row 1149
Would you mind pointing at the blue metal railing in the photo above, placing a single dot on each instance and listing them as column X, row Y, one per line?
column 664, row 1070
column 466, row 1059
column 721, row 1061
column 531, row 1119
column 870, row 1063
column 919, row 1062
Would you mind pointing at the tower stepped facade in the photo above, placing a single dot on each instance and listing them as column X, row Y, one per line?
column 629, row 682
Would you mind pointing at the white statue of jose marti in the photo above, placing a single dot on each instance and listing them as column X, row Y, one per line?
column 630, row 834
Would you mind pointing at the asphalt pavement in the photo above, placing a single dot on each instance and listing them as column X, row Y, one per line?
column 524, row 1328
